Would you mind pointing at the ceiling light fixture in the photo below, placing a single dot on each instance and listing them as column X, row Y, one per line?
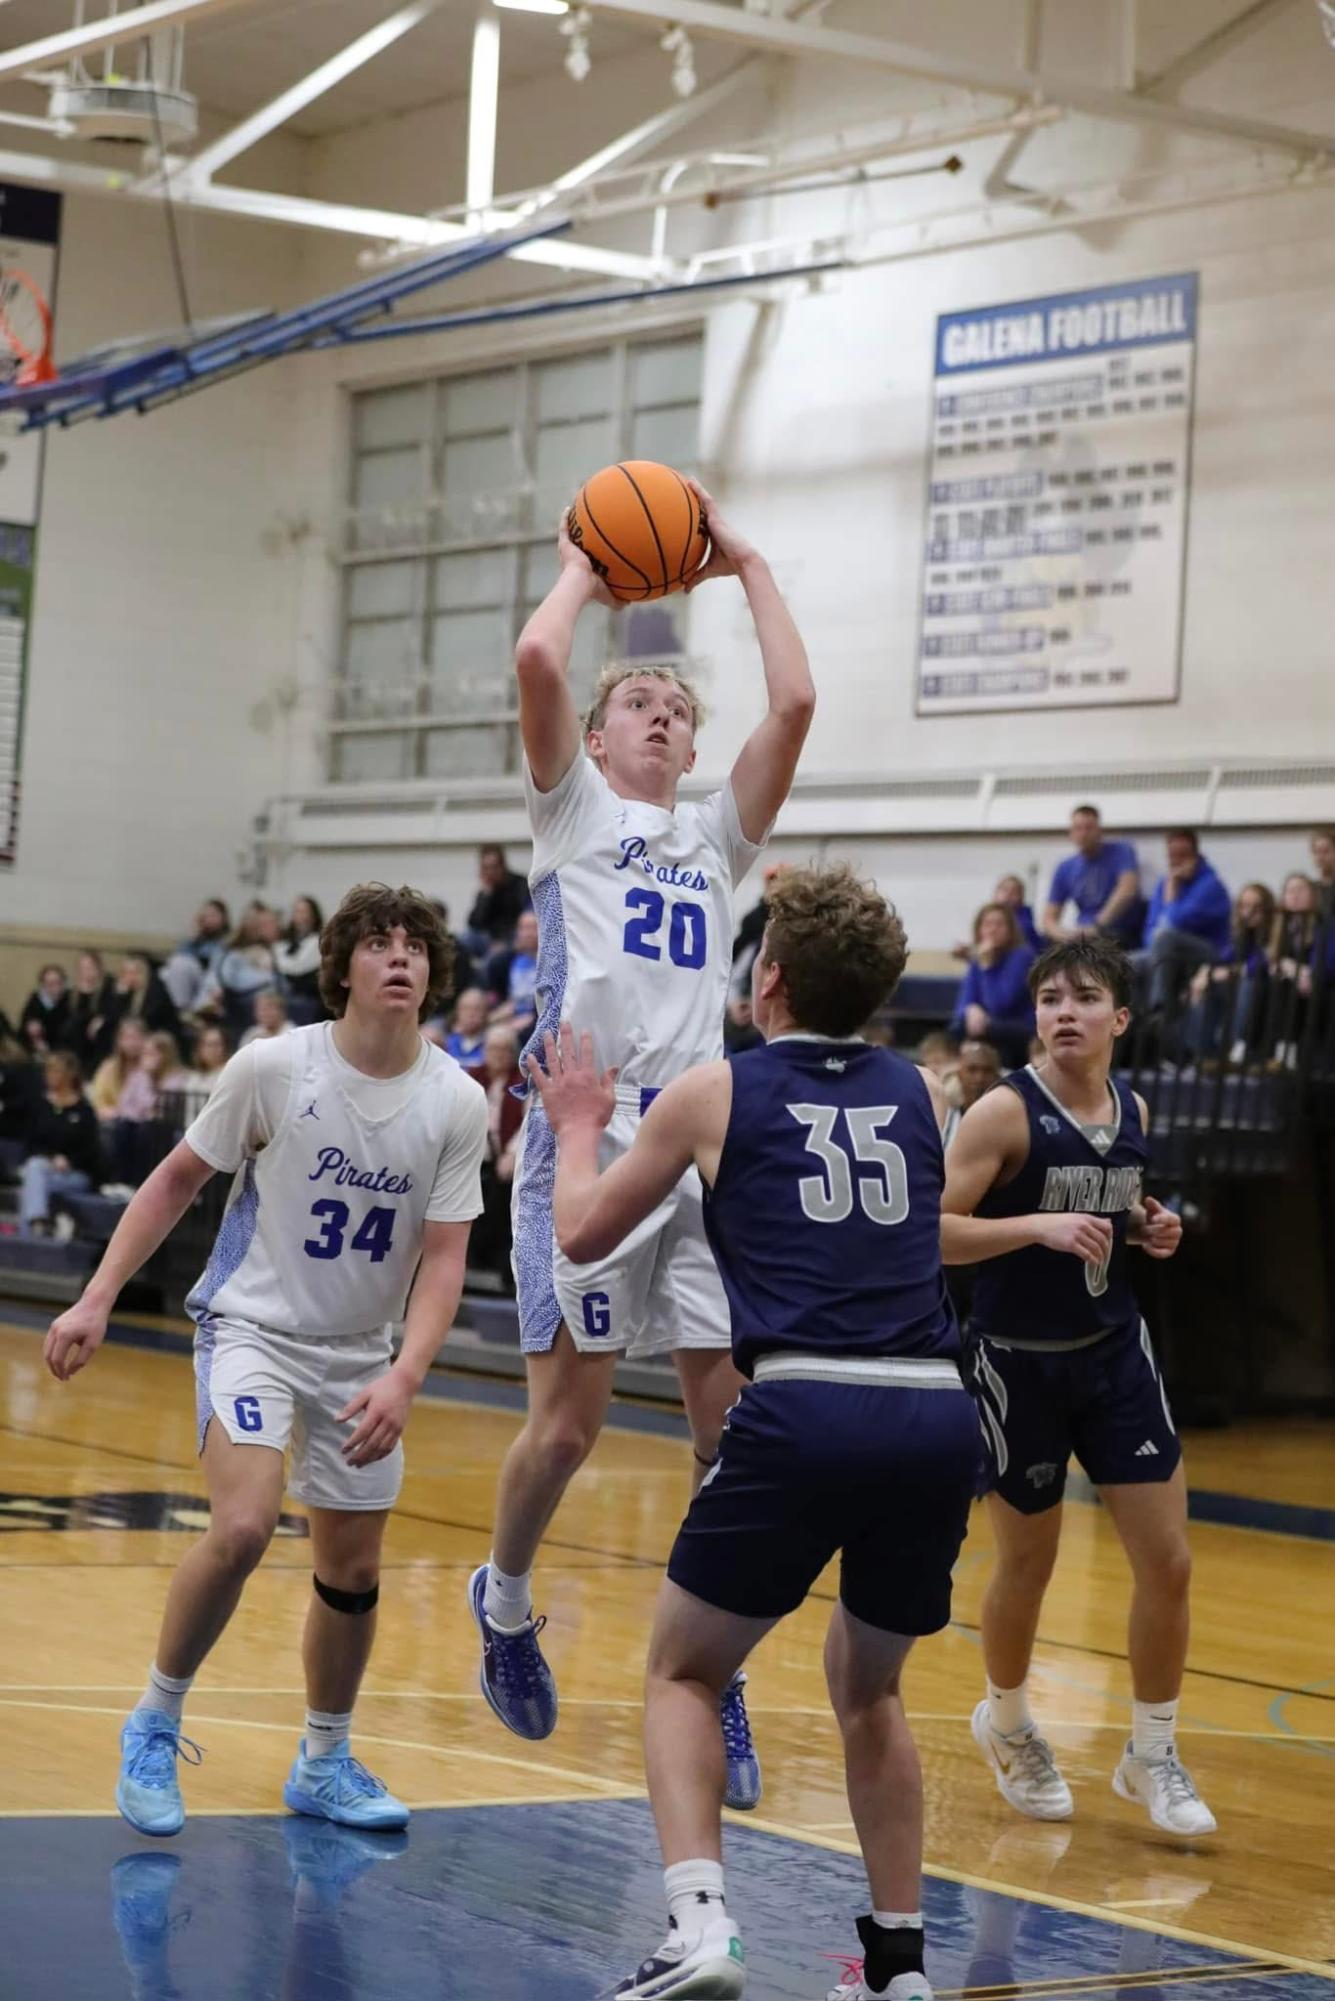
column 575, row 28
column 677, row 44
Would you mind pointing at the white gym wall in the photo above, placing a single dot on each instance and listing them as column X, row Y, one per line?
column 186, row 620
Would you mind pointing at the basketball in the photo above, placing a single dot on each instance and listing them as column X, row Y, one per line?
column 639, row 525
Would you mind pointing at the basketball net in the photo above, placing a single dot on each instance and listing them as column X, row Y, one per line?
column 25, row 329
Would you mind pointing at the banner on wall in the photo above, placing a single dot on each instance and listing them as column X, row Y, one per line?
column 29, row 239
column 1060, row 466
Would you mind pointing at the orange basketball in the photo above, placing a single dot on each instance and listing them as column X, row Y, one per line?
column 639, row 525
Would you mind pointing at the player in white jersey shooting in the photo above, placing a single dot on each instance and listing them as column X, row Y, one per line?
column 356, row 1147
column 634, row 896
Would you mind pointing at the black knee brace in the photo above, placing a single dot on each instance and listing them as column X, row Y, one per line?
column 347, row 1601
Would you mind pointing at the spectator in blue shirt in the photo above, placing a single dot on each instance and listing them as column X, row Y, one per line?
column 1228, row 996
column 994, row 1003
column 1102, row 880
column 513, row 978
column 1189, row 923
column 1010, row 891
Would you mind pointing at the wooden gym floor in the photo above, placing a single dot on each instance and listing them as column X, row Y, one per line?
column 531, row 1868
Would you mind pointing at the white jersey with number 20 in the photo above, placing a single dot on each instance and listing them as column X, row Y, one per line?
column 635, row 921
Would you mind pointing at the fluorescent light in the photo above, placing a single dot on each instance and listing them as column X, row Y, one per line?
column 536, row 6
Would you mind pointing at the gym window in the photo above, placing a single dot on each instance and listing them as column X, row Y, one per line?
column 455, row 488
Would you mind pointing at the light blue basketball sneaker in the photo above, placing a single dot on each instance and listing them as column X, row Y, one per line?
column 339, row 1787
column 148, row 1792
column 514, row 1677
column 743, row 1788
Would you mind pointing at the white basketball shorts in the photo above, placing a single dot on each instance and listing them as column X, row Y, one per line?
column 659, row 1290
column 285, row 1391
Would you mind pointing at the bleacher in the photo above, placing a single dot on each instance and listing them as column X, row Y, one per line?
column 1238, row 1145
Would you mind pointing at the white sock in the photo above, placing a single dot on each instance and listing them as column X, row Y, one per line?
column 507, row 1601
column 164, row 1694
column 695, row 1895
column 1008, row 1709
column 1153, row 1728
column 898, row 1921
column 325, row 1733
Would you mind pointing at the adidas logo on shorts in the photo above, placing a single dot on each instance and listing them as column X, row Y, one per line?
column 1149, row 1450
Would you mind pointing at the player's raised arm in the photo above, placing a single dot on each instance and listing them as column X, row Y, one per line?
column 548, row 718
column 763, row 774
column 149, row 1219
column 686, row 1123
column 989, row 1147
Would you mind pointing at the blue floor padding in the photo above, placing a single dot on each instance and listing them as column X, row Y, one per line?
column 550, row 1901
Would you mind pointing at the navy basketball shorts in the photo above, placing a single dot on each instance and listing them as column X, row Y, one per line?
column 1105, row 1403
column 877, row 1474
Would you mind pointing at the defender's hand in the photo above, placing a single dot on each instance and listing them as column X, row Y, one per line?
column 572, row 1090
column 74, row 1339
column 1089, row 1238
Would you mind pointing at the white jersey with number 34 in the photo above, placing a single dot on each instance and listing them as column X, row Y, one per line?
column 336, row 1175
column 635, row 921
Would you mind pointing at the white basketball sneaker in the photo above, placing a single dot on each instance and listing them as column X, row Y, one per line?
column 1026, row 1771
column 709, row 1963
column 1167, row 1789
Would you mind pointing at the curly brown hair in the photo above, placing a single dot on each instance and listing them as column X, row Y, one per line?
column 371, row 909
column 841, row 946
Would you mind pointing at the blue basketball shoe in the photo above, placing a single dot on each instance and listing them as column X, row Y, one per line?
column 743, row 1788
column 338, row 1787
column 147, row 1791
column 514, row 1677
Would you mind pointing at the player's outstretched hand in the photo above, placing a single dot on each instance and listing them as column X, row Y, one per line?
column 570, row 556
column 728, row 550
column 73, row 1340
column 384, row 1407
column 1089, row 1238
column 1161, row 1232
column 572, row 1088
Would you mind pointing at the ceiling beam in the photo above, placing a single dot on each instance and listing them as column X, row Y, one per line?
column 106, row 31
column 484, row 97
column 1201, row 54
column 769, row 179
column 204, row 164
column 794, row 38
column 298, row 212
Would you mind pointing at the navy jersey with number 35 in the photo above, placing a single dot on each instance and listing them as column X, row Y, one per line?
column 825, row 1217
column 1038, row 1295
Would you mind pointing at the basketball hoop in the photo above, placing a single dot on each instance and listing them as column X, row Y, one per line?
column 25, row 328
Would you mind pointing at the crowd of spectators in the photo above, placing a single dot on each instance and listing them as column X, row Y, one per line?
column 106, row 1066
column 1218, row 978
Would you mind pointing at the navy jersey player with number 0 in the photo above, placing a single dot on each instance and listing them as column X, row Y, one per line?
column 1044, row 1193
column 822, row 1166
